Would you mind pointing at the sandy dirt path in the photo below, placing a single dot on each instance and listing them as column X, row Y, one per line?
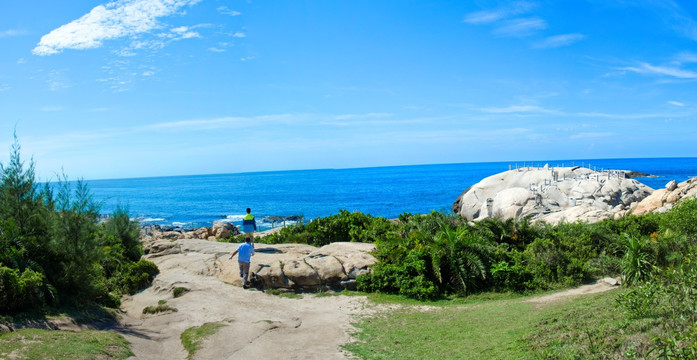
column 258, row 325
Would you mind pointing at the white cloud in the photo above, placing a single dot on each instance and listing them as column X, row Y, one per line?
column 224, row 122
column 648, row 69
column 215, row 49
column 361, row 116
column 185, row 33
column 247, row 58
column 520, row 27
column 11, row 32
column 559, row 41
column 4, row 87
column 490, row 16
column 686, row 58
column 592, row 135
column 676, row 103
column 227, row 11
column 148, row 73
column 623, row 116
column 57, row 80
column 239, row 35
column 518, row 109
column 21, row 61
column 114, row 20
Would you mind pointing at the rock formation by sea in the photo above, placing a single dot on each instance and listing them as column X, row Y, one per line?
column 552, row 194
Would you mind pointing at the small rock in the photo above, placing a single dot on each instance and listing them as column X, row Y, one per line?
column 610, row 281
column 672, row 185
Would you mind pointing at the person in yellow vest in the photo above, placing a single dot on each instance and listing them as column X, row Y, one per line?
column 249, row 226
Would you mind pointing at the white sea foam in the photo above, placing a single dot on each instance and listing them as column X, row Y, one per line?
column 151, row 219
column 179, row 224
column 234, row 217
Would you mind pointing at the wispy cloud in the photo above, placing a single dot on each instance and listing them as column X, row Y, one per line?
column 248, row 58
column 227, row 11
column 490, row 16
column 11, row 32
column 114, row 20
column 239, row 35
column 648, row 69
column 362, row 116
column 591, row 135
column 636, row 116
column 559, row 41
column 686, row 58
column 676, row 103
column 4, row 87
column 223, row 122
column 518, row 109
column 57, row 80
column 520, row 27
column 679, row 18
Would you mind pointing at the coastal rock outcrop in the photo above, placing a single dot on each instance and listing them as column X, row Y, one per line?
column 219, row 230
column 552, row 195
column 663, row 200
column 287, row 266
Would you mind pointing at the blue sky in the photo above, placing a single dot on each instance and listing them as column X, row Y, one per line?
column 134, row 88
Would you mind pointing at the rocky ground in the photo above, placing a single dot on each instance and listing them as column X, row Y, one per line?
column 257, row 324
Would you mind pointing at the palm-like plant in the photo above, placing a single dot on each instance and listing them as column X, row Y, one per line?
column 636, row 264
column 459, row 258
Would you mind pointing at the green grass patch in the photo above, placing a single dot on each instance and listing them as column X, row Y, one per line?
column 192, row 337
column 483, row 331
column 53, row 344
column 487, row 327
column 592, row 327
column 285, row 294
column 179, row 291
column 161, row 307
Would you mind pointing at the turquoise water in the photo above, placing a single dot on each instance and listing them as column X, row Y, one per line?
column 192, row 201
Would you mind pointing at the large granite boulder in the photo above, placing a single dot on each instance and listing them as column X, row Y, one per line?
column 663, row 200
column 287, row 266
column 552, row 194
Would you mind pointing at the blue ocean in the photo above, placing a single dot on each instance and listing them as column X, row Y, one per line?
column 194, row 201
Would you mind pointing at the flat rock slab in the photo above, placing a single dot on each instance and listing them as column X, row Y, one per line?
column 288, row 266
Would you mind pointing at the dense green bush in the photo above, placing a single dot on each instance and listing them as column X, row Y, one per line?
column 54, row 251
column 19, row 290
column 344, row 226
column 134, row 276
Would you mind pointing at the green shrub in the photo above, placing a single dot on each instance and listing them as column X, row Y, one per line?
column 345, row 226
column 406, row 278
column 637, row 263
column 135, row 276
column 669, row 295
column 20, row 291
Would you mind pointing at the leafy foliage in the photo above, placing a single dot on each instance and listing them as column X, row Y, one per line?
column 344, row 226
column 53, row 250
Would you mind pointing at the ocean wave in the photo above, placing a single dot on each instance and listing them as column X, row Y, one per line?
column 234, row 217
column 150, row 219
